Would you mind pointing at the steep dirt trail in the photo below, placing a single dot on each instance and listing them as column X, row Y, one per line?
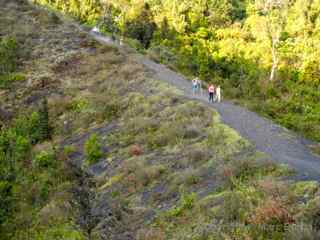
column 281, row 144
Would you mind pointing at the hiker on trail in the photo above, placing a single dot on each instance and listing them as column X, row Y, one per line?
column 218, row 94
column 121, row 41
column 211, row 90
column 199, row 86
column 113, row 37
column 195, row 85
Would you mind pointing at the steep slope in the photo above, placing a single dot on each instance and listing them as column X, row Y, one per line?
column 281, row 144
column 163, row 166
column 263, row 53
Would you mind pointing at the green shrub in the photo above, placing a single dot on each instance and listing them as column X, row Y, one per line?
column 168, row 134
column 111, row 111
column 69, row 150
column 6, row 200
column 216, row 136
column 44, row 128
column 35, row 127
column 13, row 147
column 79, row 105
column 186, row 203
column 189, row 176
column 236, row 207
column 162, row 54
column 301, row 232
column 8, row 55
column 44, row 159
column 196, row 155
column 60, row 232
column 312, row 213
column 93, row 150
column 148, row 174
column 8, row 62
column 7, row 79
column 241, row 170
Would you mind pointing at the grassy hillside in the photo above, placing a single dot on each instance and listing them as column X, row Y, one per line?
column 92, row 147
column 264, row 53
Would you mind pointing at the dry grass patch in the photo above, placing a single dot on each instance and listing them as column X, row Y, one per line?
column 195, row 155
column 135, row 150
column 132, row 70
column 274, row 212
column 151, row 234
column 137, row 174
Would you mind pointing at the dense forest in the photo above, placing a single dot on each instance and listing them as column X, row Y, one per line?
column 263, row 52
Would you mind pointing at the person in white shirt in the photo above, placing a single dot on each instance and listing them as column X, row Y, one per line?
column 95, row 29
column 218, row 94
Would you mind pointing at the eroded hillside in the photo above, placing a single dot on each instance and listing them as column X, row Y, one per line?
column 128, row 157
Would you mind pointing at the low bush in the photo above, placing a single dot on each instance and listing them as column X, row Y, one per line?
column 111, row 111
column 187, row 202
column 316, row 149
column 196, row 155
column 141, row 175
column 79, row 105
column 36, row 126
column 47, row 18
column 169, row 134
column 93, row 150
column 132, row 165
column 8, row 79
column 244, row 169
column 301, row 232
column 272, row 212
column 44, row 159
column 68, row 150
column 162, row 54
column 8, row 55
column 62, row 231
column 192, row 131
column 151, row 234
column 236, row 207
column 217, row 136
column 19, row 171
column 44, row 127
column 189, row 176
column 135, row 150
column 271, row 188
column 312, row 213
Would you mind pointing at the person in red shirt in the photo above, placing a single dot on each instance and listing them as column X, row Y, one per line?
column 211, row 90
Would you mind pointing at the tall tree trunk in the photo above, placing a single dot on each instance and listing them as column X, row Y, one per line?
column 274, row 59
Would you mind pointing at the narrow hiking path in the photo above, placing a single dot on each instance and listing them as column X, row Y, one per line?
column 281, row 144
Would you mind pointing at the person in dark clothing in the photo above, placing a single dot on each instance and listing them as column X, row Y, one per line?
column 211, row 90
